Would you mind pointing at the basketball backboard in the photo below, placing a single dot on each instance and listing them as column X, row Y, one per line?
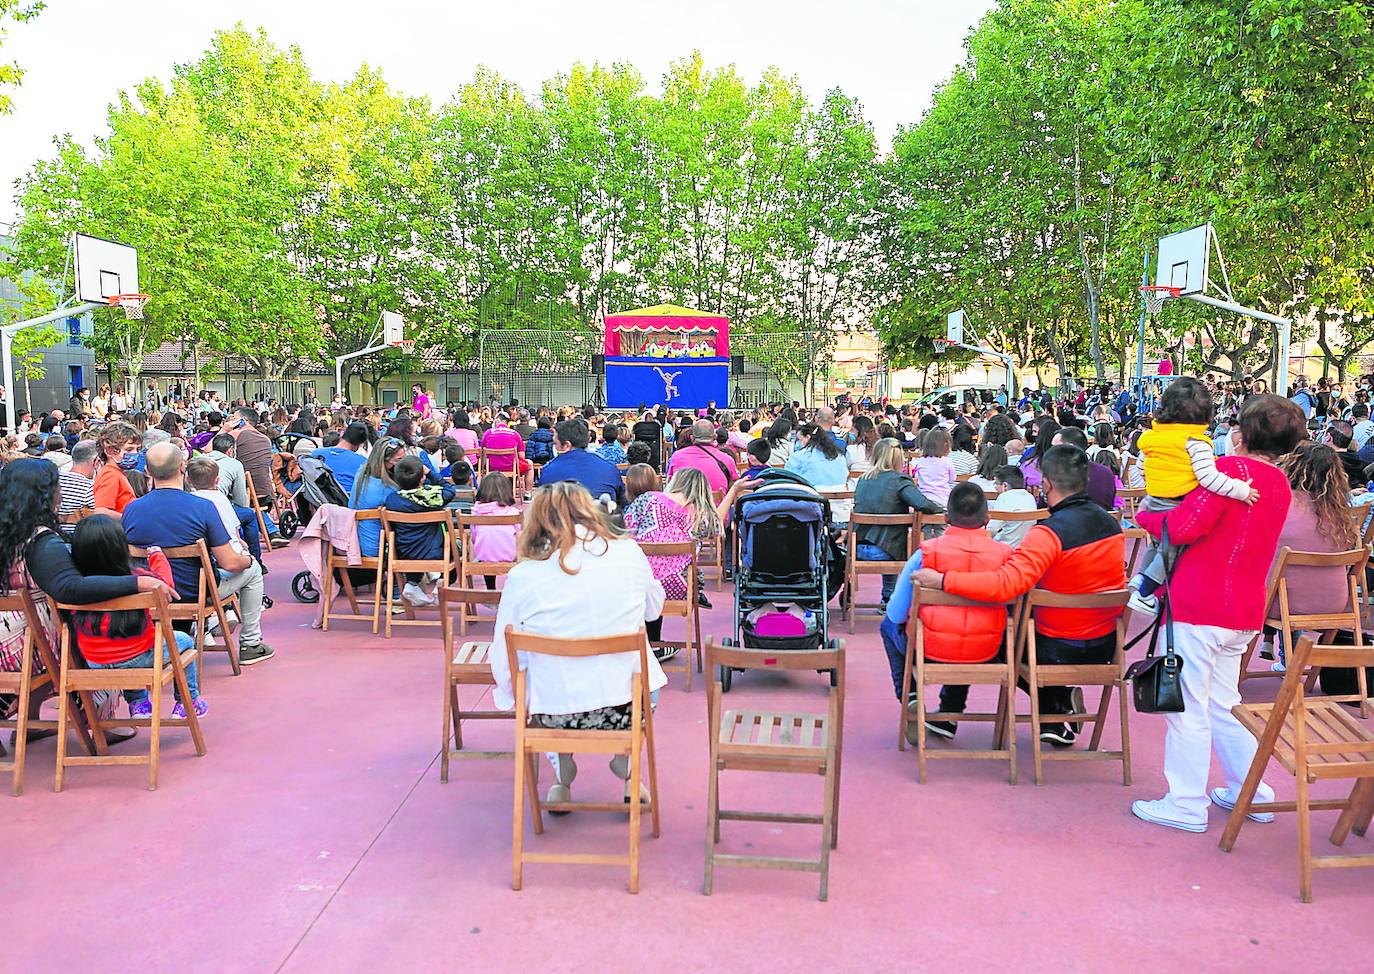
column 1183, row 259
column 393, row 328
column 103, row 268
column 954, row 327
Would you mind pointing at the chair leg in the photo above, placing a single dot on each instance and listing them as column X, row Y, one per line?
column 1125, row 733
column 636, row 771
column 1304, row 835
column 1359, row 795
column 1038, row 761
column 60, row 773
column 712, row 826
column 920, row 730
column 450, row 726
column 155, row 731
column 827, row 826
column 390, row 595
column 1247, row 795
column 1364, row 815
column 228, row 636
column 21, row 722
column 1099, row 722
column 517, row 848
column 532, row 786
column 653, row 781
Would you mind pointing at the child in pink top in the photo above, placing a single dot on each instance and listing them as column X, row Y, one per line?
column 494, row 542
column 934, row 473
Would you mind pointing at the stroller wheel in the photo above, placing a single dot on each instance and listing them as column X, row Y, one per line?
column 288, row 524
column 303, row 588
column 267, row 601
column 726, row 676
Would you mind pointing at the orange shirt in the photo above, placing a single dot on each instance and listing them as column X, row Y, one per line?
column 111, row 489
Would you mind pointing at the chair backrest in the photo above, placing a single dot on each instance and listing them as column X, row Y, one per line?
column 452, row 596
column 157, row 603
column 76, row 516
column 1040, row 514
column 909, row 521
column 21, row 602
column 922, row 597
column 742, row 658
column 687, row 549
column 443, row 517
column 563, row 647
column 1039, row 598
column 1137, row 541
column 1352, row 561
column 199, row 551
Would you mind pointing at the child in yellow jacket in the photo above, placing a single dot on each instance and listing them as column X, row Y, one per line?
column 1179, row 459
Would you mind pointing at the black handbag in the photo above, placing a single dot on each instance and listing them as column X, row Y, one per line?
column 1157, row 681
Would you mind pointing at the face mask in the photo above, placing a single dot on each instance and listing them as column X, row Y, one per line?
column 129, row 460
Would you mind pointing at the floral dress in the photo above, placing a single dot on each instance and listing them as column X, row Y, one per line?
column 653, row 518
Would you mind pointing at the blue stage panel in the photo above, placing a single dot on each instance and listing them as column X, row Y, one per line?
column 686, row 383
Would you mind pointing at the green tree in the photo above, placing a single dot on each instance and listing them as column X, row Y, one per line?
column 11, row 74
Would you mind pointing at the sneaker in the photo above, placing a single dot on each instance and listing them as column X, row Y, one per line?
column 702, row 600
column 142, row 710
column 200, row 706
column 417, row 596
column 1144, row 604
column 1278, row 666
column 278, row 541
column 1059, row 735
column 248, row 655
column 561, row 789
column 1223, row 797
column 942, row 728
column 664, row 653
column 1161, row 813
column 620, row 767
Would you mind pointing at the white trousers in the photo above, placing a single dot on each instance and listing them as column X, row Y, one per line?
column 1211, row 677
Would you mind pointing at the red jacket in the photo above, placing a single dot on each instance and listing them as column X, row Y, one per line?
column 1079, row 548
column 955, row 634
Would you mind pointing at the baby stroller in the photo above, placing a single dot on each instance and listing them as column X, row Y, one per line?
column 318, row 487
column 782, row 581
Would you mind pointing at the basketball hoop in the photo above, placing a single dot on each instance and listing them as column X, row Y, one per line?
column 131, row 303
column 406, row 346
column 940, row 346
column 1156, row 295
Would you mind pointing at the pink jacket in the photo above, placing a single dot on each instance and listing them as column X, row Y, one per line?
column 1221, row 580
column 494, row 542
column 332, row 526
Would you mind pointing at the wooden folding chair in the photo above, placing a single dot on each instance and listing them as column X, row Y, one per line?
column 397, row 567
column 468, row 568
column 513, row 473
column 1131, row 498
column 532, row 741
column 711, row 551
column 685, row 609
column 792, row 743
column 1008, row 517
column 30, row 686
column 467, row 665
column 207, row 605
column 1326, row 624
column 1109, row 676
column 77, row 679
column 1138, row 542
column 1314, row 740
column 854, row 568
column 337, row 575
column 75, row 517
column 256, row 505
column 920, row 673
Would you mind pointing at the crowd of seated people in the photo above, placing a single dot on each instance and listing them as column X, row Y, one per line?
column 1233, row 471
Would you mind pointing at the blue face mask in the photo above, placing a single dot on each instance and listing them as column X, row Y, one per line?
column 129, row 460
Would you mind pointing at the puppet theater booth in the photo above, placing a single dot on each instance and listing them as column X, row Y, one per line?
column 669, row 355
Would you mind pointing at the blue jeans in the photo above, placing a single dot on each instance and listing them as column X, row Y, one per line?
column 248, row 528
column 952, row 698
column 871, row 552
column 143, row 660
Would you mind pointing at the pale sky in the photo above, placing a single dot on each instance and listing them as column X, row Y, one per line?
column 78, row 53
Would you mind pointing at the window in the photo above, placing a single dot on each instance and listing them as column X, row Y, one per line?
column 74, row 332
column 390, row 397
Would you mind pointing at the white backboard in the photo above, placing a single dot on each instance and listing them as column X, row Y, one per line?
column 1183, row 259
column 393, row 328
column 103, row 268
column 954, row 327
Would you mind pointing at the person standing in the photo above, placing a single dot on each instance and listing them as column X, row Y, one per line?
column 1218, row 591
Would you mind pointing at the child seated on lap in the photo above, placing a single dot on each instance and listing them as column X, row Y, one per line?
column 418, row 541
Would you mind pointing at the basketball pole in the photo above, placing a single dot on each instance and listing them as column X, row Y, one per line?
column 7, row 334
column 1140, row 344
column 1284, row 327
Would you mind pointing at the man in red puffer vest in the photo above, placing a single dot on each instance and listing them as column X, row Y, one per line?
column 956, row 634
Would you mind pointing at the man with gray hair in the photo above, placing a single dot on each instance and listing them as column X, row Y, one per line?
column 153, row 436
column 825, row 419
column 702, row 454
column 77, row 482
column 170, row 517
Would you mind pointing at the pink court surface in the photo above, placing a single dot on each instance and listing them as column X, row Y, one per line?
column 315, row 835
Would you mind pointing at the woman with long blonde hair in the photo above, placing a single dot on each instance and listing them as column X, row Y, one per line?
column 578, row 576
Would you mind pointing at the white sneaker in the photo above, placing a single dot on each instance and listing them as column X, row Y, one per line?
column 1278, row 666
column 1224, row 798
column 1159, row 812
column 417, row 596
column 1144, row 604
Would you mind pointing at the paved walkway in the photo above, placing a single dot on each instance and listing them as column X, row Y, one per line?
column 315, row 836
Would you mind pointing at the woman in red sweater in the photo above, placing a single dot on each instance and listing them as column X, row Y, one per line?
column 124, row 639
column 1218, row 590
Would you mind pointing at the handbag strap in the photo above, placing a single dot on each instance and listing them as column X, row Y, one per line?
column 1167, row 609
